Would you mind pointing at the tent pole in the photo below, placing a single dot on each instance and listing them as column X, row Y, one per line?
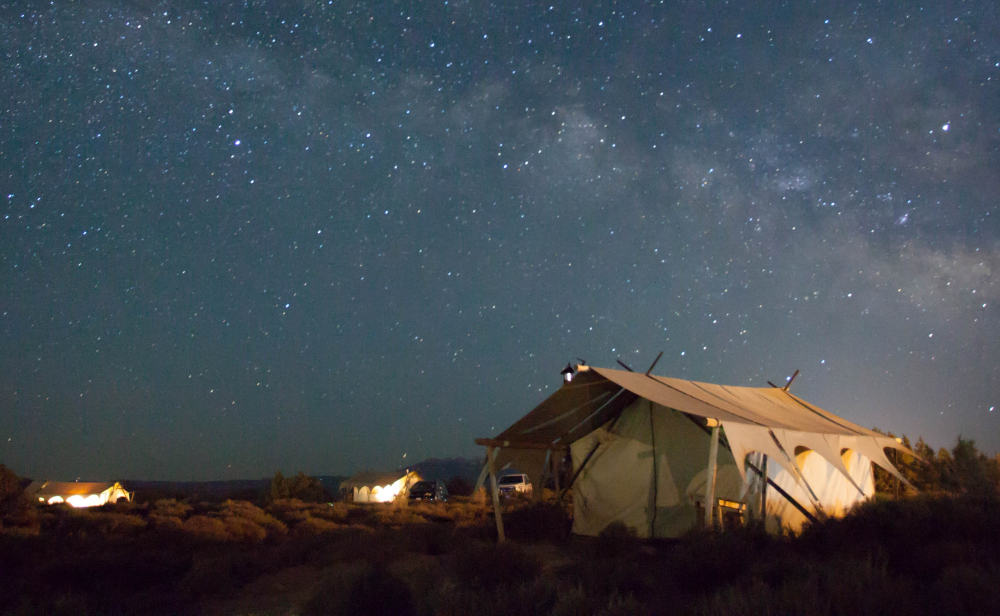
column 577, row 472
column 481, row 480
column 788, row 497
column 543, row 475
column 490, row 459
column 652, row 442
column 557, row 469
column 763, row 490
column 713, row 455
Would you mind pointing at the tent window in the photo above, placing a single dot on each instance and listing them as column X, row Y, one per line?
column 732, row 514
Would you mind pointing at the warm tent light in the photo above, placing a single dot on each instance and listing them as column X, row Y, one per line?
column 91, row 500
column 368, row 487
column 78, row 494
column 387, row 494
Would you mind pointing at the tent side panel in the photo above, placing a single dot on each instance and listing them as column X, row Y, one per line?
column 836, row 494
column 615, row 484
column 681, row 464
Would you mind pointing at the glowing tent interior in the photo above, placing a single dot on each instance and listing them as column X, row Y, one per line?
column 370, row 487
column 77, row 493
column 664, row 455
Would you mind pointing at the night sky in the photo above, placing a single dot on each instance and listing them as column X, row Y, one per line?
column 238, row 238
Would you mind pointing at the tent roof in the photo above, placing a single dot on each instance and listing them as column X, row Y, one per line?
column 598, row 394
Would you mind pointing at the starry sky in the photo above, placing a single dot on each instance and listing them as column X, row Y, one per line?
column 237, row 238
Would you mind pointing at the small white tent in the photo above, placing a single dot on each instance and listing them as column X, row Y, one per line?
column 665, row 455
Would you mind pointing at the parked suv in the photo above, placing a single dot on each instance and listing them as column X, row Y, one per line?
column 514, row 483
column 429, row 490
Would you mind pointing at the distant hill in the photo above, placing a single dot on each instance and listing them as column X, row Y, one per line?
column 447, row 468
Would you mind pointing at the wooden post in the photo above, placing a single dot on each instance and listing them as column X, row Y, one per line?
column 537, row 491
column 763, row 490
column 713, row 454
column 557, row 468
column 491, row 457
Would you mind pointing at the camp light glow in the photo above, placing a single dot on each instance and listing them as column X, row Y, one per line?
column 387, row 494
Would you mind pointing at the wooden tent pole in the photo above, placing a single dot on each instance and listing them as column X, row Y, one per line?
column 763, row 489
column 538, row 491
column 713, row 455
column 788, row 497
column 490, row 459
column 557, row 468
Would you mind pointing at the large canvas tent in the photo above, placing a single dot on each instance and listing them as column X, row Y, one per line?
column 664, row 455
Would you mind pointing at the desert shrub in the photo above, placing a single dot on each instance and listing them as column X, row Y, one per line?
column 434, row 539
column 165, row 522
column 397, row 515
column 459, row 486
column 239, row 513
column 538, row 522
column 623, row 605
column 171, row 507
column 301, row 487
column 574, row 601
column 109, row 523
column 488, row 566
column 315, row 526
column 242, row 529
column 966, row 589
column 616, row 539
column 535, row 597
column 293, row 511
column 370, row 590
column 16, row 509
column 432, row 511
column 208, row 575
column 205, row 527
column 605, row 576
column 834, row 586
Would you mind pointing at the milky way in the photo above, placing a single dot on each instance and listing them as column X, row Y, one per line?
column 324, row 236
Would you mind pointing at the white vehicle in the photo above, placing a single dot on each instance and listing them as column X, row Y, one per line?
column 514, row 483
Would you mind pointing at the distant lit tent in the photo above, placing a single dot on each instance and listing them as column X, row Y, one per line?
column 370, row 487
column 77, row 493
column 665, row 455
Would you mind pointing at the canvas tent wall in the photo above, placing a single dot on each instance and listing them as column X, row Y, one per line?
column 373, row 487
column 77, row 493
column 642, row 446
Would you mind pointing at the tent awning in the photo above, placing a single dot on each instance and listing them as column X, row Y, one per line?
column 780, row 421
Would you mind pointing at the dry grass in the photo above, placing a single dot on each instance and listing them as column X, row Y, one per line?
column 441, row 558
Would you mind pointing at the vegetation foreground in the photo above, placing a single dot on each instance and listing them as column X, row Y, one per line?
column 920, row 555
